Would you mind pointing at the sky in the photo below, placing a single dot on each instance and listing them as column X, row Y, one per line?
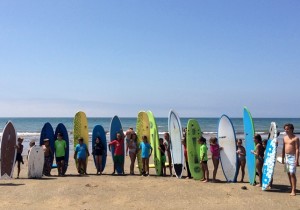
column 201, row 58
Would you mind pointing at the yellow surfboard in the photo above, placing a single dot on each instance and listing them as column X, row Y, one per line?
column 142, row 128
column 81, row 130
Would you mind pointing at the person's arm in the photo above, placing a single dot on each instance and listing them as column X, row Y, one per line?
column 297, row 151
column 75, row 155
column 283, row 151
column 150, row 151
column 243, row 152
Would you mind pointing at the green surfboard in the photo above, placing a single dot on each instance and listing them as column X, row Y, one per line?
column 154, row 140
column 142, row 128
column 193, row 148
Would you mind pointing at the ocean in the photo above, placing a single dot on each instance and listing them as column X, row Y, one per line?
column 30, row 128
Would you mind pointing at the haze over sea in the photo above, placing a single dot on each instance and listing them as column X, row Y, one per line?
column 30, row 128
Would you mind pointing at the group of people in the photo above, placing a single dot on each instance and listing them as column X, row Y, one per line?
column 290, row 154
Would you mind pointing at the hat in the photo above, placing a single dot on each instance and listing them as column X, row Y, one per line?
column 46, row 140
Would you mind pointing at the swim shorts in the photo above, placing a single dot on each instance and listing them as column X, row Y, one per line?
column 290, row 163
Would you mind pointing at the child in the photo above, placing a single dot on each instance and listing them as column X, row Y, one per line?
column 290, row 155
column 167, row 143
column 241, row 151
column 145, row 147
column 60, row 152
column 259, row 156
column 31, row 144
column 48, row 158
column 215, row 155
column 119, row 152
column 19, row 157
column 132, row 147
column 98, row 151
column 81, row 153
column 183, row 141
column 203, row 159
column 163, row 156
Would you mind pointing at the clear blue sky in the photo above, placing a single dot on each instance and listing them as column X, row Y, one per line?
column 202, row 58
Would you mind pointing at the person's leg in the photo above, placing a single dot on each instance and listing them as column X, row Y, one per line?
column 84, row 166
column 79, row 166
column 62, row 168
column 216, row 165
column 260, row 165
column 58, row 167
column 243, row 164
column 19, row 168
column 293, row 184
column 203, row 169
column 100, row 164
column 144, row 165
column 131, row 162
column 147, row 165
column 170, row 162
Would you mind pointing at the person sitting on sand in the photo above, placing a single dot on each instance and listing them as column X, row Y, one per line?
column 215, row 155
column 119, row 153
column 203, row 159
column 146, row 153
column 259, row 156
column 241, row 151
column 290, row 155
column 81, row 154
column 48, row 154
column 163, row 156
column 19, row 158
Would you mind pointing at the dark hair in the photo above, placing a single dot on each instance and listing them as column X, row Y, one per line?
column 80, row 139
column 60, row 134
column 291, row 126
column 161, row 139
column 202, row 139
column 258, row 138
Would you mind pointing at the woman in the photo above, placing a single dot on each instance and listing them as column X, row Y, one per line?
column 259, row 156
column 132, row 148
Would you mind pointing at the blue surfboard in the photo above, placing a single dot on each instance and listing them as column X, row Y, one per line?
column 116, row 127
column 249, row 145
column 98, row 131
column 48, row 133
column 270, row 156
column 62, row 129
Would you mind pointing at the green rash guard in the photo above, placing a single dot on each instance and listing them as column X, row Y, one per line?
column 60, row 148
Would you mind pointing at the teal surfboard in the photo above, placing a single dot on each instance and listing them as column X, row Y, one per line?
column 249, row 145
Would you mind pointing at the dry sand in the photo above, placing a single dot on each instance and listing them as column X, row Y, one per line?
column 136, row 192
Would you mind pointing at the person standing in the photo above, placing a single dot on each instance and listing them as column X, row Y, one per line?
column 167, row 143
column 60, row 146
column 290, row 155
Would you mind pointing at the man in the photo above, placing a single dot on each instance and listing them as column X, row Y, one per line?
column 290, row 152
column 60, row 146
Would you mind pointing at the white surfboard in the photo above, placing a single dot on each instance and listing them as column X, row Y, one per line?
column 270, row 157
column 35, row 162
column 228, row 155
column 175, row 132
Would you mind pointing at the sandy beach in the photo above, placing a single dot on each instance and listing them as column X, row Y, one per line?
column 119, row 192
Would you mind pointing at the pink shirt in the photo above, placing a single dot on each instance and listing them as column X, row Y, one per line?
column 215, row 150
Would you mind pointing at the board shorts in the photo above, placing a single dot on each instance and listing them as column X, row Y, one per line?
column 118, row 159
column 58, row 159
column 163, row 159
column 290, row 163
column 19, row 158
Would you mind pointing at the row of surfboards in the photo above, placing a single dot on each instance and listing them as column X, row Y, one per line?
column 146, row 125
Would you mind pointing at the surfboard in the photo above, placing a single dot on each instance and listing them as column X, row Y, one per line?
column 142, row 129
column 228, row 155
column 98, row 131
column 48, row 133
column 154, row 140
column 175, row 132
column 35, row 162
column 63, row 130
column 81, row 129
column 153, row 166
column 193, row 133
column 8, row 150
column 116, row 127
column 270, row 156
column 249, row 145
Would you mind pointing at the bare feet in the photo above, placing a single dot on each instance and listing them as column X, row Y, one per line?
column 205, row 180
column 293, row 194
